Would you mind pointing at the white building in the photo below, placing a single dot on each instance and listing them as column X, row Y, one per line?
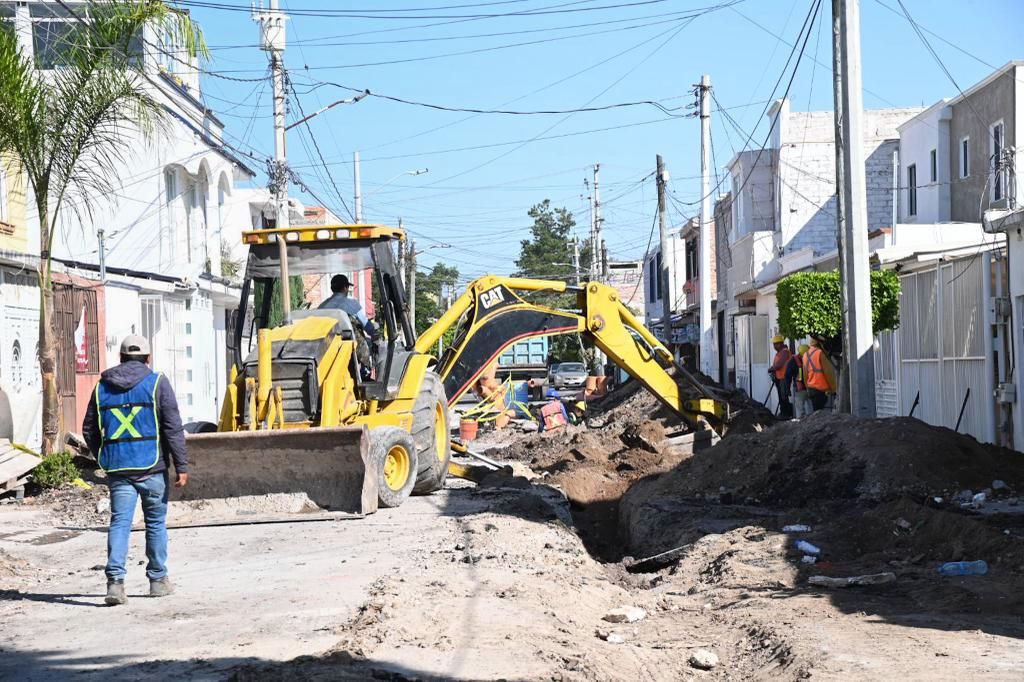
column 162, row 231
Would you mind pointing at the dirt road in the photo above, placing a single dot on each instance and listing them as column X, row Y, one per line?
column 472, row 583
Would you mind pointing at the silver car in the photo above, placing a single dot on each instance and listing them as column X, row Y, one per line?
column 569, row 375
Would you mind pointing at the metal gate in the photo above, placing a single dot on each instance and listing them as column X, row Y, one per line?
column 76, row 336
column 942, row 342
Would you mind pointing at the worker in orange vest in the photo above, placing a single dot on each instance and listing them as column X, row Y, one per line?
column 795, row 376
column 777, row 372
column 819, row 375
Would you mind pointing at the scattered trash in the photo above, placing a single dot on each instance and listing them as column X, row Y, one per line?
column 796, row 528
column 615, row 638
column 903, row 523
column 979, row 567
column 703, row 659
column 937, row 500
column 625, row 614
column 851, row 581
column 79, row 483
column 103, row 505
column 999, row 485
column 978, row 501
column 807, row 548
column 807, row 559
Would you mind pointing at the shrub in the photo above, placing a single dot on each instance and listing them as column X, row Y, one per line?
column 809, row 304
column 56, row 470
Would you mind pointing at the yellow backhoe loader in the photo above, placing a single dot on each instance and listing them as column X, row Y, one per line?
column 315, row 406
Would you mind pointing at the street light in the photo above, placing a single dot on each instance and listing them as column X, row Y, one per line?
column 420, row 171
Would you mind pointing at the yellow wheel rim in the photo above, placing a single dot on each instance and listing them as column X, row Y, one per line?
column 396, row 468
column 440, row 431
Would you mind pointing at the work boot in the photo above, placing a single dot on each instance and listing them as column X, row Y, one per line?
column 160, row 587
column 115, row 593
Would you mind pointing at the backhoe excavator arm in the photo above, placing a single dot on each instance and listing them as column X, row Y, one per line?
column 494, row 317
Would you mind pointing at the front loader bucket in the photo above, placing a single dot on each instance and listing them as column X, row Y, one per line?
column 330, row 465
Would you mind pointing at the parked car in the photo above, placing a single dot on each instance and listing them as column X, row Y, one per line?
column 569, row 375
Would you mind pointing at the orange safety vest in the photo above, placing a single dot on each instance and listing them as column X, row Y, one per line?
column 781, row 360
column 814, row 363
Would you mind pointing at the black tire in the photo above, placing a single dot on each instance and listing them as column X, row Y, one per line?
column 6, row 420
column 200, row 427
column 396, row 443
column 429, row 413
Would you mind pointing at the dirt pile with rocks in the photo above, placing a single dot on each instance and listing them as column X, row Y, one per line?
column 875, row 491
column 830, row 457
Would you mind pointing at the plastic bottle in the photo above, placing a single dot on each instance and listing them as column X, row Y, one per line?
column 807, row 548
column 964, row 568
column 796, row 528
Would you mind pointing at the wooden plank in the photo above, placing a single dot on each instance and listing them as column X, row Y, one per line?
column 17, row 467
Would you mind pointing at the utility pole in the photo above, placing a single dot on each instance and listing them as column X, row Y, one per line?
column 704, row 245
column 272, row 41
column 852, row 216
column 401, row 260
column 663, row 276
column 358, row 189
column 411, row 278
column 103, row 256
column 576, row 259
column 599, row 268
column 592, row 269
column 604, row 261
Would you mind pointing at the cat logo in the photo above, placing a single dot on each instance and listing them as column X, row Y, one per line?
column 492, row 297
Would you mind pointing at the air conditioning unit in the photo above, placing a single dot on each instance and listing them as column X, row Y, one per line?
column 1006, row 393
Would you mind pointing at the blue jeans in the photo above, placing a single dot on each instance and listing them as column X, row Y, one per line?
column 124, row 493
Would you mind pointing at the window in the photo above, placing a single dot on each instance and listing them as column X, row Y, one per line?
column 193, row 204
column 912, row 189
column 965, row 162
column 171, row 191
column 996, row 137
column 737, row 205
column 53, row 30
column 934, row 176
column 657, row 278
column 7, row 18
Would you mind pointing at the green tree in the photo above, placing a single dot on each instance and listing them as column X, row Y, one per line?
column 548, row 254
column 809, row 304
column 297, row 297
column 431, row 289
column 67, row 127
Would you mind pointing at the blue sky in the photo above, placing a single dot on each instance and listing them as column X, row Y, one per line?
column 487, row 170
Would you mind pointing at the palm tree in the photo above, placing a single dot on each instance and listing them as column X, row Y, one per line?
column 72, row 129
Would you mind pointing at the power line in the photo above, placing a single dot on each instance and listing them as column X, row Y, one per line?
column 511, row 112
column 322, row 41
column 316, row 145
column 805, row 32
column 377, row 14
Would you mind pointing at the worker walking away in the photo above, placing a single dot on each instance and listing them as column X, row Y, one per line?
column 777, row 372
column 795, row 377
column 819, row 376
column 133, row 426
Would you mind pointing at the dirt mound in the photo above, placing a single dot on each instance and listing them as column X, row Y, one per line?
column 632, row 404
column 829, row 457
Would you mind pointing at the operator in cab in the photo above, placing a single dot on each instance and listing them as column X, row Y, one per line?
column 339, row 300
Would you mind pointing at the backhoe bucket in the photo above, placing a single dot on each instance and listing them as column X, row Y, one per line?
column 330, row 465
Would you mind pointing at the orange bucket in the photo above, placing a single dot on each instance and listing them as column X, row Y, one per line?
column 467, row 429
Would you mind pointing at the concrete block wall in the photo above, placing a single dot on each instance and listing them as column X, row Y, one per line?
column 806, row 176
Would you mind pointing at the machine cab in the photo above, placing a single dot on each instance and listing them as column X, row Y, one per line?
column 364, row 255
